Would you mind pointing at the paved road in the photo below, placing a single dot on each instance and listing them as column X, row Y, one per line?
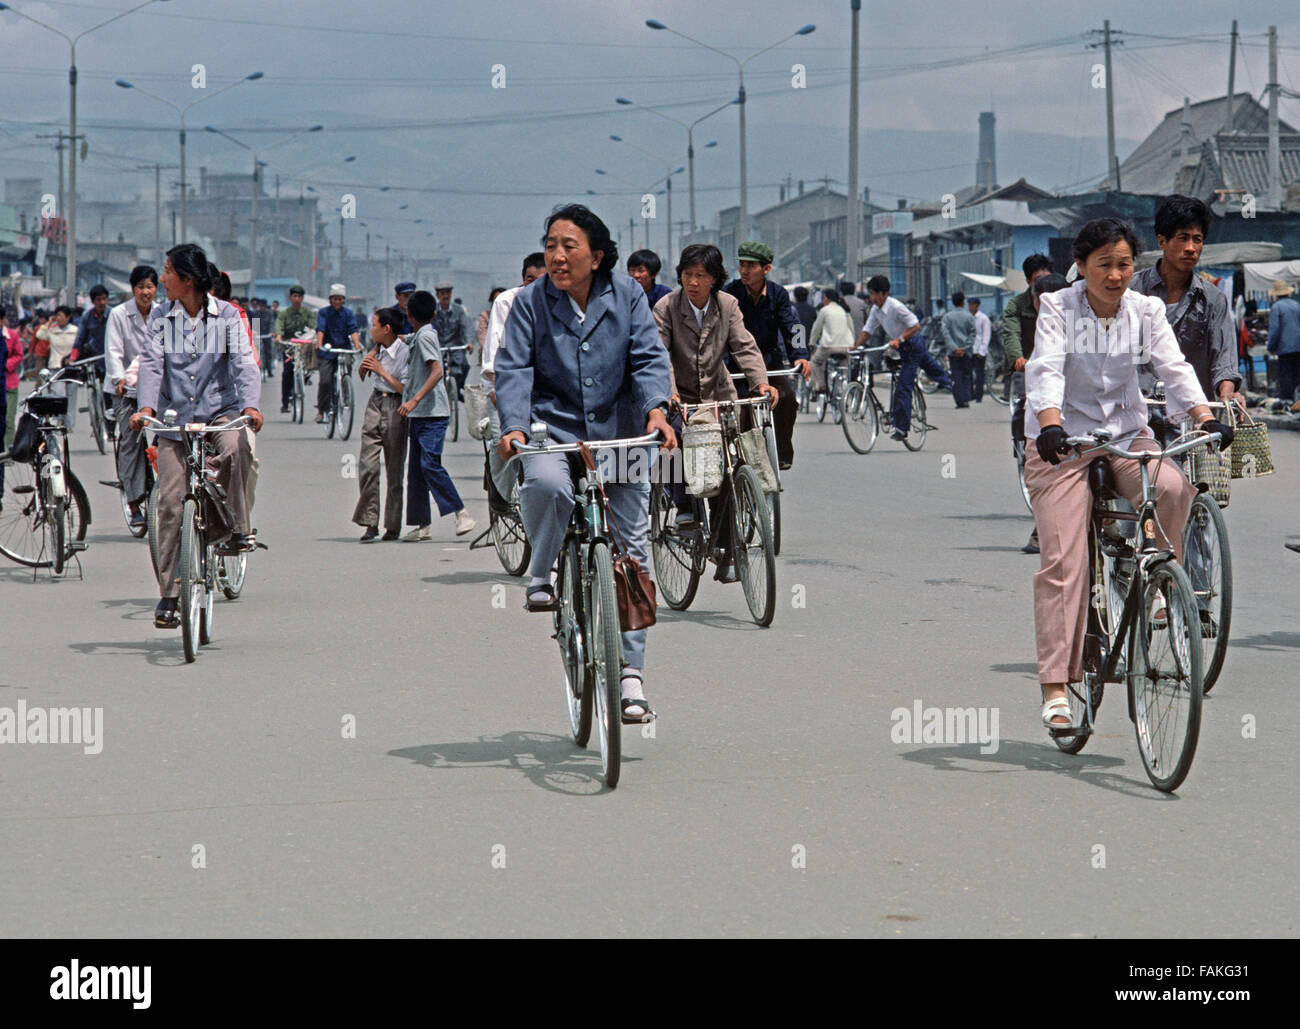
column 773, row 749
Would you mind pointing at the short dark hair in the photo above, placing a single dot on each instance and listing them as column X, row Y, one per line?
column 421, row 306
column 597, row 232
column 390, row 319
column 648, row 260
column 536, row 259
column 973, row 300
column 801, row 293
column 1050, row 283
column 1035, row 263
column 141, row 272
column 98, row 291
column 705, row 254
column 847, row 288
column 958, row 298
column 1103, row 232
column 1177, row 212
column 878, row 284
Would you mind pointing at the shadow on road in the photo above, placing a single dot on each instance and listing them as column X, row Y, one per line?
column 1269, row 641
column 1017, row 755
column 140, row 610
column 163, row 652
column 713, row 619
column 552, row 762
column 991, row 549
column 463, row 578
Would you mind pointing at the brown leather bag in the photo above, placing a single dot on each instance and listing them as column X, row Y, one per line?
column 632, row 586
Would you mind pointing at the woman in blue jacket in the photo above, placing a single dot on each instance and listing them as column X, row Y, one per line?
column 581, row 353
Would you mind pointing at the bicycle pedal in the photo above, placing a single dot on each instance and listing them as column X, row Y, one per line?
column 111, row 483
column 1068, row 731
column 77, row 545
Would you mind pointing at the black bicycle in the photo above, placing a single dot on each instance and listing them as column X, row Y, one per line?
column 1143, row 626
column 763, row 416
column 683, row 541
column 141, row 528
column 865, row 416
column 90, row 377
column 342, row 405
column 452, row 386
column 44, row 510
column 205, row 523
column 297, row 350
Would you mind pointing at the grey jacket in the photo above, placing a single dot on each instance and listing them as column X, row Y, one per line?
column 958, row 330
column 201, row 368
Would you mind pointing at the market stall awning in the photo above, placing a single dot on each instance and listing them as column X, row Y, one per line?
column 1260, row 275
column 1223, row 255
column 1013, row 281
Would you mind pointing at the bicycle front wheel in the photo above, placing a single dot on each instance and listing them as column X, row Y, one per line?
column 675, row 551
column 453, row 416
column 347, row 406
column 508, row 536
column 152, row 516
column 568, row 621
column 57, row 511
column 209, row 594
column 861, row 423
column 755, row 559
column 916, row 436
column 1019, row 447
column 606, row 662
column 299, row 392
column 191, row 575
column 1165, row 676
column 98, row 420
column 230, row 574
column 1207, row 560
column 22, row 522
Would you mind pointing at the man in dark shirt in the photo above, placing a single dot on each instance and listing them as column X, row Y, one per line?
column 806, row 312
column 403, row 291
column 772, row 320
column 90, row 343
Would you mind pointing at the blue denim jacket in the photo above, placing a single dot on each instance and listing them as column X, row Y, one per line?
column 595, row 379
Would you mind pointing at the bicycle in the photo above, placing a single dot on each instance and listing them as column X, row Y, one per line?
column 94, row 384
column 1207, row 559
column 768, row 425
column 452, row 385
column 864, row 416
column 45, row 522
column 199, row 565
column 505, row 521
column 1019, row 446
column 681, row 553
column 832, row 397
column 296, row 350
column 586, row 622
column 1126, row 640
column 137, row 531
column 342, row 406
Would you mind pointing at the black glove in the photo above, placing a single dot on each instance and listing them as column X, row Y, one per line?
column 1226, row 432
column 1051, row 444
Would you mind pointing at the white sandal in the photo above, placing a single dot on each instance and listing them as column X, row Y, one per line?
column 1054, row 708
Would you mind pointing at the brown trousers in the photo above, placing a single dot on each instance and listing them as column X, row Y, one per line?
column 383, row 431
column 233, row 459
column 1061, row 501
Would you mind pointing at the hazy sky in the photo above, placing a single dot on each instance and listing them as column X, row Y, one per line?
column 407, row 87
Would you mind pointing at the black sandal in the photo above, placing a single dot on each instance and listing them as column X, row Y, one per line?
column 167, row 616
column 648, row 716
column 551, row 604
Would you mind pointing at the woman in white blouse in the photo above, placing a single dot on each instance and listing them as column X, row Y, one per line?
column 832, row 333
column 1083, row 376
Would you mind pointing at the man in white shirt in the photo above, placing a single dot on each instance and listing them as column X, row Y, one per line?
column 383, row 430
column 903, row 333
column 125, row 336
column 983, row 335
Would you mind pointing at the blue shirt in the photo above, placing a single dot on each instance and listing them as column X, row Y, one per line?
column 657, row 292
column 338, row 327
column 1284, row 326
column 90, row 338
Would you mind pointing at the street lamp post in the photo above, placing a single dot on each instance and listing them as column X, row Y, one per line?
column 252, row 240
column 71, row 259
column 303, row 178
column 632, row 221
column 853, row 226
column 124, row 84
column 743, row 226
column 690, row 140
column 668, row 239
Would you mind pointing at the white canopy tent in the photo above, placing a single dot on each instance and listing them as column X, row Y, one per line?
column 1013, row 281
column 1261, row 275
column 1222, row 255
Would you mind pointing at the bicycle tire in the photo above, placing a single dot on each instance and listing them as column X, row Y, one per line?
column 676, row 553
column 191, row 595
column 332, row 415
column 918, row 428
column 606, row 661
column 152, row 516
column 861, row 423
column 299, row 392
column 453, row 415
column 98, row 420
column 1020, row 447
column 508, row 536
column 1206, row 517
column 568, row 621
column 1093, row 657
column 774, row 512
column 752, row 552
column 347, row 408
column 57, row 512
column 22, row 524
column 77, row 511
column 1174, row 670
column 230, row 575
column 820, row 405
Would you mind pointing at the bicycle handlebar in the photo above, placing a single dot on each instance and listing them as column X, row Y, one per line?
column 533, row 449
column 194, row 428
column 1101, row 441
column 772, row 373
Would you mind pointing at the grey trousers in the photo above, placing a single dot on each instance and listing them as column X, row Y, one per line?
column 230, row 452
column 546, row 502
column 131, row 458
column 383, row 431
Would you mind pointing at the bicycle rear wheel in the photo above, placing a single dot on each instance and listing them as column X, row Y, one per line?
column 453, row 417
column 191, row 575
column 332, row 415
column 568, row 621
column 299, row 393
column 56, row 511
column 676, row 552
column 22, row 522
column 230, row 574
column 861, row 423
column 508, row 536
column 152, row 516
column 837, row 398
column 347, row 406
column 209, row 595
column 98, row 420
column 1165, row 676
column 1207, row 560
column 916, row 435
column 1019, row 447
column 606, row 662
column 755, row 559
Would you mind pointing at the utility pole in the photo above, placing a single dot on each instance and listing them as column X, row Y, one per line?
column 631, row 228
column 252, row 238
column 1274, row 148
column 854, row 225
column 1112, row 167
column 1232, row 76
column 279, row 265
column 157, row 212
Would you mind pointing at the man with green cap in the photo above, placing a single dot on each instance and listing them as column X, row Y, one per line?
column 296, row 320
column 772, row 320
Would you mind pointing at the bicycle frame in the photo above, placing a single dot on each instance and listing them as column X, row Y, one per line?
column 732, row 458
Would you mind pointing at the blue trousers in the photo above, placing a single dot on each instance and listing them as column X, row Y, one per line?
column 546, row 502
column 962, row 377
column 915, row 355
column 425, row 473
